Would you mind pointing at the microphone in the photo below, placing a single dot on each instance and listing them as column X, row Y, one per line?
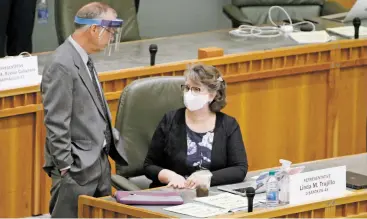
column 250, row 194
column 356, row 24
column 153, row 49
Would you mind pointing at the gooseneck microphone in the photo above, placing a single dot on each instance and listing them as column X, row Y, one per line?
column 153, row 49
column 250, row 194
column 356, row 24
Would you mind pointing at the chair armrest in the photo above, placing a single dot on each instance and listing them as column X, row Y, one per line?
column 331, row 7
column 236, row 15
column 121, row 183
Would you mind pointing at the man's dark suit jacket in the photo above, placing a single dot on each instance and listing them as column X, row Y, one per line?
column 168, row 150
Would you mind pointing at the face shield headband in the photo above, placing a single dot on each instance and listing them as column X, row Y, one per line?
column 114, row 27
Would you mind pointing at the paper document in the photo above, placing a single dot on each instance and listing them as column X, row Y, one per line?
column 225, row 200
column 348, row 31
column 197, row 210
column 310, row 37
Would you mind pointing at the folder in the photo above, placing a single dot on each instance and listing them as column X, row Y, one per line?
column 148, row 198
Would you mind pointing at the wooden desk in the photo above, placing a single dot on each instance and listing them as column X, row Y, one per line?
column 300, row 103
column 346, row 3
column 351, row 206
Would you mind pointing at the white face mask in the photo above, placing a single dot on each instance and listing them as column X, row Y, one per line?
column 195, row 102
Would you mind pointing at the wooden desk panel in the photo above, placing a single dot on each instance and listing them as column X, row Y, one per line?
column 280, row 118
column 351, row 206
column 16, row 162
column 299, row 103
column 346, row 3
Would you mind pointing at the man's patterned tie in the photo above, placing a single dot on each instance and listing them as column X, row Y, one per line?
column 108, row 133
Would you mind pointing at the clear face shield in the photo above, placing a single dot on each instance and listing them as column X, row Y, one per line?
column 110, row 34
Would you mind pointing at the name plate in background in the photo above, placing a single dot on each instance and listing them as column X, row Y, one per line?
column 317, row 185
column 19, row 71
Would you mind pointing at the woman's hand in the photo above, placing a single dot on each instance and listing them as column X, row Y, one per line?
column 191, row 183
column 171, row 178
column 177, row 181
column 197, row 178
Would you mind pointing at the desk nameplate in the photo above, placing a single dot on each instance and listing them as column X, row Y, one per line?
column 317, row 185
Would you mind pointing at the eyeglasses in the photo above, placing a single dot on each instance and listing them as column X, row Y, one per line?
column 110, row 30
column 194, row 90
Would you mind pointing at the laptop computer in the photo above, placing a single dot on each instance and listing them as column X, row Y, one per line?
column 359, row 9
column 356, row 180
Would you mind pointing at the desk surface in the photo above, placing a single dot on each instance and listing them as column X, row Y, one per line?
column 355, row 163
column 176, row 48
column 184, row 47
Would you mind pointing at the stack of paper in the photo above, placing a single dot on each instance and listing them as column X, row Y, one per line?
column 224, row 200
column 348, row 31
column 310, row 37
column 213, row 205
column 197, row 210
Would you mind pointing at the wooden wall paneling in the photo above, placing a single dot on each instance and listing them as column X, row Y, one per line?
column 41, row 181
column 331, row 110
column 16, row 159
column 37, row 160
column 275, row 113
column 352, row 96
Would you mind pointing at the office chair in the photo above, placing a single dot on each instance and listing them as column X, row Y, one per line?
column 255, row 12
column 142, row 105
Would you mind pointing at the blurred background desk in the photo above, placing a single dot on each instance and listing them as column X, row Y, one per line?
column 177, row 48
column 301, row 103
column 184, row 47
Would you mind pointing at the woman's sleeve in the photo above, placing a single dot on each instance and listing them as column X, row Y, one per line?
column 237, row 165
column 155, row 156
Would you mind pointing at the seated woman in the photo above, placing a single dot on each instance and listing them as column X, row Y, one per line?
column 198, row 136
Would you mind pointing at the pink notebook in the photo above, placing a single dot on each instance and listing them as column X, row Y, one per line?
column 148, row 198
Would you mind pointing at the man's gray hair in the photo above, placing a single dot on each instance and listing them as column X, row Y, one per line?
column 93, row 10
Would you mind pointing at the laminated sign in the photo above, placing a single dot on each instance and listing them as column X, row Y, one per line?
column 19, row 71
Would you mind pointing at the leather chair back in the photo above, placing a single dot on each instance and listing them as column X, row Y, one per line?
column 142, row 105
column 244, row 3
column 257, row 10
column 65, row 11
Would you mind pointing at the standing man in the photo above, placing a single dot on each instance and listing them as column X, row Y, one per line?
column 16, row 26
column 77, row 118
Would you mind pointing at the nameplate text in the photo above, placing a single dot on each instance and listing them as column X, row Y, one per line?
column 317, row 185
column 18, row 71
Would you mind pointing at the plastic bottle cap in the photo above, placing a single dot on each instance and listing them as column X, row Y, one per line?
column 271, row 173
column 285, row 163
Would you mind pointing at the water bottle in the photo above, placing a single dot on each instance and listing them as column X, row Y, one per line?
column 42, row 12
column 284, row 182
column 272, row 190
